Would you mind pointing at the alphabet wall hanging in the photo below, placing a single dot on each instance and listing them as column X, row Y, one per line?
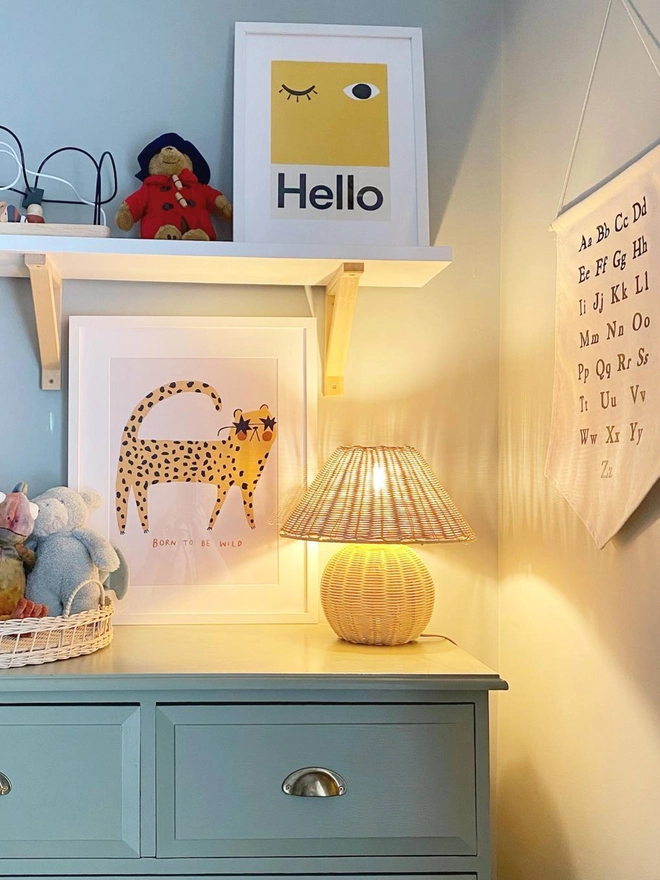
column 602, row 454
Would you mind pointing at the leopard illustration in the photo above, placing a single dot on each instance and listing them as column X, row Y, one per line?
column 238, row 459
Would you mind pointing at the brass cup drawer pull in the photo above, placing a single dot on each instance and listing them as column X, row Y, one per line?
column 5, row 784
column 314, row 782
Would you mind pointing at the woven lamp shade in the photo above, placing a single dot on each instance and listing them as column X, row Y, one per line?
column 377, row 495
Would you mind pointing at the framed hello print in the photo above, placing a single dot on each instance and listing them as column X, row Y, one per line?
column 329, row 135
column 197, row 433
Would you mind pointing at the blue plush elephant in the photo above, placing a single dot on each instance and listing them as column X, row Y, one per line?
column 68, row 553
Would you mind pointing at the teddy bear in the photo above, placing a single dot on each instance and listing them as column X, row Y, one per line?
column 67, row 553
column 17, row 516
column 175, row 200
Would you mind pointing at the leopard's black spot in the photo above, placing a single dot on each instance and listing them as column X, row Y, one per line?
column 190, row 384
column 244, row 486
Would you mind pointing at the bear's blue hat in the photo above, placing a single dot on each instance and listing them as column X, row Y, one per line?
column 200, row 166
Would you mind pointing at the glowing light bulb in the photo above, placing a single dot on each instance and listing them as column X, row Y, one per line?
column 379, row 478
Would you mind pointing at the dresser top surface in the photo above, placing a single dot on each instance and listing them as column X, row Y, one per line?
column 290, row 654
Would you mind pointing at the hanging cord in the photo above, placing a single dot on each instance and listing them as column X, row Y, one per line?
column 584, row 110
column 626, row 6
column 639, row 34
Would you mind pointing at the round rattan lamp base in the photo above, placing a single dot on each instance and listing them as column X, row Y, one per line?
column 375, row 594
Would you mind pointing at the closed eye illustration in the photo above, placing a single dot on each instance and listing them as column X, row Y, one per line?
column 333, row 118
column 361, row 91
column 298, row 93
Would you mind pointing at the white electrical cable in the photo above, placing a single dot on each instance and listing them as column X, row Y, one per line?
column 10, row 151
column 18, row 174
column 62, row 180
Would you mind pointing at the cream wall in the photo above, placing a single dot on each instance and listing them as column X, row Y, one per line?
column 579, row 734
column 423, row 367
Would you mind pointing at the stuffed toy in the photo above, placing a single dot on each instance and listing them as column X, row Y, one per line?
column 175, row 200
column 68, row 553
column 17, row 516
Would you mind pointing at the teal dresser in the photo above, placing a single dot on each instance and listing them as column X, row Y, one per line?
column 247, row 750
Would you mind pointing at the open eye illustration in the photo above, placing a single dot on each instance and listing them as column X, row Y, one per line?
column 298, row 93
column 361, row 91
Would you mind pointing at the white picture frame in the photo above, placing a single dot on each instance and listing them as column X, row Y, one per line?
column 182, row 571
column 267, row 166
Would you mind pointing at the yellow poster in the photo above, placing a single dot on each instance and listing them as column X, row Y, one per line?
column 330, row 150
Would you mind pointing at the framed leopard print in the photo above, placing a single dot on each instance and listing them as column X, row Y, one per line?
column 199, row 434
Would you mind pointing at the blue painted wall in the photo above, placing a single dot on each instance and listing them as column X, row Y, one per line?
column 423, row 364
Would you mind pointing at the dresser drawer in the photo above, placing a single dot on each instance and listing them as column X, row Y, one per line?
column 74, row 774
column 265, row 877
column 409, row 772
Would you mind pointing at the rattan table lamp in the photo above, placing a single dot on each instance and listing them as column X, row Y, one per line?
column 376, row 499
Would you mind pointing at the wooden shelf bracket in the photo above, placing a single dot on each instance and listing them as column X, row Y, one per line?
column 47, row 299
column 50, row 259
column 340, row 300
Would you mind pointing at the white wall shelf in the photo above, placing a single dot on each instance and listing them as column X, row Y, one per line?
column 51, row 260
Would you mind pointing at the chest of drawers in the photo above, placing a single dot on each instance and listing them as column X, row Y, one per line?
column 252, row 751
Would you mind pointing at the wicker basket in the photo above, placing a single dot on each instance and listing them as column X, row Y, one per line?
column 42, row 640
